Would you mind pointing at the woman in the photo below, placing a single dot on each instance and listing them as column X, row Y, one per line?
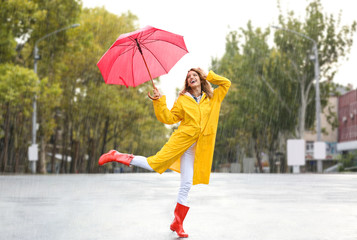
column 190, row 148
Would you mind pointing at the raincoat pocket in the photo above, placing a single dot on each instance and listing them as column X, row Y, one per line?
column 189, row 130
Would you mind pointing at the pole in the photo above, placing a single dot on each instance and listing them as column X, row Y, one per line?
column 36, row 57
column 33, row 149
column 318, row 104
column 34, row 146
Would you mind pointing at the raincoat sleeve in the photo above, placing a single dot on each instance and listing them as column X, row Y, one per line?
column 222, row 82
column 164, row 115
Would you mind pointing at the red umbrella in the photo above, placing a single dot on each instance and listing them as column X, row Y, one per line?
column 140, row 56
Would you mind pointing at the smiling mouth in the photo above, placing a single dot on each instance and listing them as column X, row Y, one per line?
column 193, row 81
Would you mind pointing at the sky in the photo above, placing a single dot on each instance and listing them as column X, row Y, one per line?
column 206, row 23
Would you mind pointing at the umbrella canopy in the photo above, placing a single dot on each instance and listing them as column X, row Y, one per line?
column 140, row 56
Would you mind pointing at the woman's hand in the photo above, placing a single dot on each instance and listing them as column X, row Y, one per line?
column 204, row 74
column 157, row 93
column 156, row 96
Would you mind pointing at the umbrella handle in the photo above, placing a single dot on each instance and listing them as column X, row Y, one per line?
column 152, row 98
column 155, row 97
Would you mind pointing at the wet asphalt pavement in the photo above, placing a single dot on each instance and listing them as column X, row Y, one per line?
column 140, row 206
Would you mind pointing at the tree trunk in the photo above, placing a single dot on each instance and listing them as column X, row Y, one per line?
column 72, row 143
column 80, row 163
column 42, row 160
column 54, row 150
column 258, row 156
column 302, row 111
column 272, row 152
column 91, row 155
column 302, row 121
column 6, row 140
column 16, row 165
column 54, row 147
column 282, row 148
column 64, row 147
column 105, row 131
column 115, row 142
column 82, row 158
column 75, row 153
column 271, row 161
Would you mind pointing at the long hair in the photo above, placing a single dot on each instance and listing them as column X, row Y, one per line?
column 205, row 85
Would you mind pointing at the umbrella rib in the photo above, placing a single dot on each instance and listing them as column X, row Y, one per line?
column 156, row 40
column 140, row 42
column 154, row 57
column 127, row 45
column 149, row 35
column 160, row 40
column 133, row 46
column 126, row 51
column 132, row 58
column 132, row 63
column 122, row 45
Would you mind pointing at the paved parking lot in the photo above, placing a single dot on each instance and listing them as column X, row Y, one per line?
column 140, row 206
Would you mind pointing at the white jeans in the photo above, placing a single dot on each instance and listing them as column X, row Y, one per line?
column 186, row 169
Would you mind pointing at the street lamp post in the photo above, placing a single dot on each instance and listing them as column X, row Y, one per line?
column 317, row 88
column 33, row 149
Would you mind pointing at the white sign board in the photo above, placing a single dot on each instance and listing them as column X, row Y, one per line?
column 33, row 152
column 319, row 150
column 296, row 152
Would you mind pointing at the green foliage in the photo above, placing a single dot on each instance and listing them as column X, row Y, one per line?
column 334, row 43
column 100, row 117
column 78, row 114
column 57, row 14
column 272, row 88
column 17, row 88
column 256, row 109
column 48, row 101
column 347, row 160
column 18, row 17
column 81, row 117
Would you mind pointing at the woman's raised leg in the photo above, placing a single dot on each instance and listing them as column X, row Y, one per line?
column 140, row 161
column 127, row 159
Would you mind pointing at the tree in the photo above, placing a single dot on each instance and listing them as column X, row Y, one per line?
column 17, row 88
column 272, row 94
column 256, row 110
column 334, row 43
column 96, row 117
column 48, row 100
column 78, row 114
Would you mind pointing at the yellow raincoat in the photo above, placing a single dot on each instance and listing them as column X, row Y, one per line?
column 198, row 124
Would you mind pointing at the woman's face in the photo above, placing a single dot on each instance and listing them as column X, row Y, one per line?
column 193, row 79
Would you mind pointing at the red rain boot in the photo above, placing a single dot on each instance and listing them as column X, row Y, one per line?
column 114, row 156
column 177, row 224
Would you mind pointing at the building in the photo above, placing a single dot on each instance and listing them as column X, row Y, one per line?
column 347, row 130
column 329, row 135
